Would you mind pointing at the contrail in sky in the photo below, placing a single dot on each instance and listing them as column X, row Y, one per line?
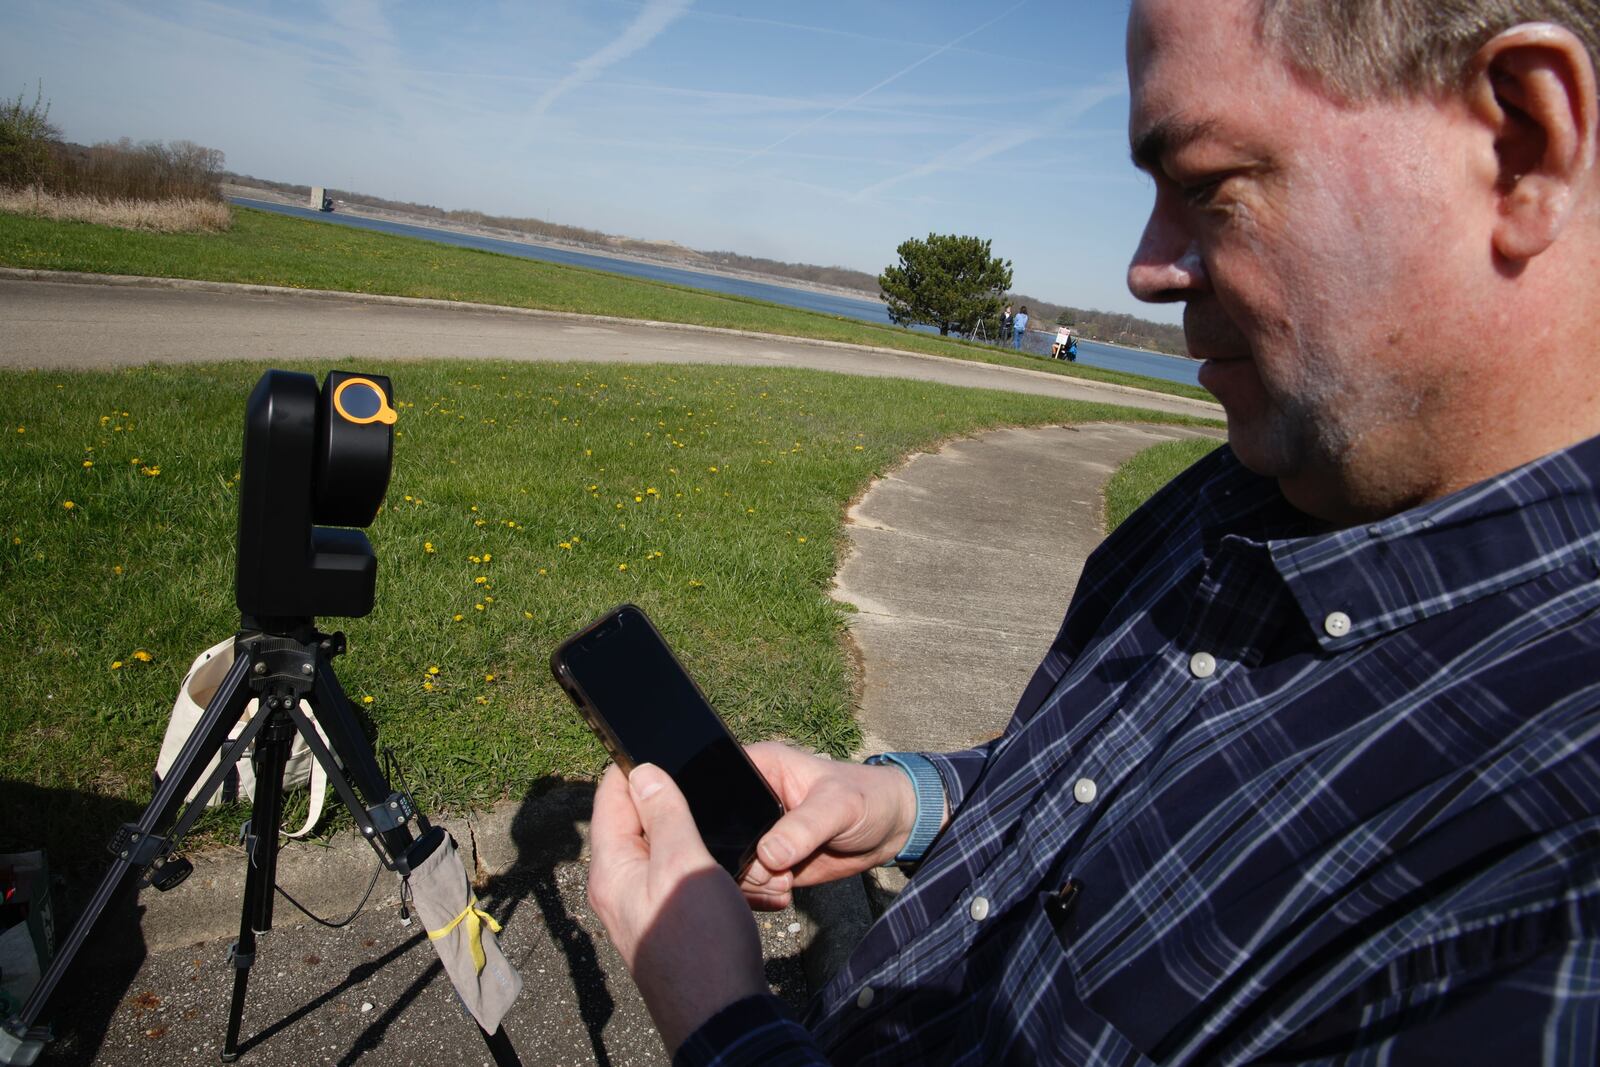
column 981, row 146
column 652, row 21
column 863, row 95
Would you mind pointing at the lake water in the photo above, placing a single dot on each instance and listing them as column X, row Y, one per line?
column 1090, row 353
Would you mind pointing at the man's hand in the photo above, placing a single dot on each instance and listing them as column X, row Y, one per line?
column 674, row 915
column 841, row 819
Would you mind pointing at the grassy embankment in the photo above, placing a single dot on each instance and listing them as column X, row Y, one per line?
column 526, row 499
column 1138, row 479
column 268, row 249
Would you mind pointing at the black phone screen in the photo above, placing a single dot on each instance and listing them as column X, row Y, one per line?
column 630, row 679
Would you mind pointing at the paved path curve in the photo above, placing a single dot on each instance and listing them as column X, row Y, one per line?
column 49, row 319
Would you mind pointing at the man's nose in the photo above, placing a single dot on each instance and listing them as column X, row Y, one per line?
column 1167, row 265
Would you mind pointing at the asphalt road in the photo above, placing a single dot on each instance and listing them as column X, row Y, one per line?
column 85, row 324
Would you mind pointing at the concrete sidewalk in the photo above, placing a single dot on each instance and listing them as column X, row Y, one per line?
column 961, row 565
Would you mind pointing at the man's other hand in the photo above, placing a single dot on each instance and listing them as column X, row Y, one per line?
column 840, row 819
column 675, row 916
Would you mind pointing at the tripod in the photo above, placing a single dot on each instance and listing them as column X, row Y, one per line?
column 281, row 662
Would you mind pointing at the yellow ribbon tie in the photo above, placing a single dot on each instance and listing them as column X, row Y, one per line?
column 476, row 918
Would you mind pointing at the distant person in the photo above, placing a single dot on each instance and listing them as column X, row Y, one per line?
column 1065, row 347
column 1005, row 324
column 1020, row 325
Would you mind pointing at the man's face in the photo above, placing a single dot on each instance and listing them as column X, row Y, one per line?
column 1316, row 248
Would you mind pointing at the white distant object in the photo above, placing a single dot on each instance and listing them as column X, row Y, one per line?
column 320, row 200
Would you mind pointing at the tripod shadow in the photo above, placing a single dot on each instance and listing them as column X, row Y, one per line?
column 72, row 828
column 545, row 834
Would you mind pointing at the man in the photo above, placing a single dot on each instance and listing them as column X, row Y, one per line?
column 1311, row 772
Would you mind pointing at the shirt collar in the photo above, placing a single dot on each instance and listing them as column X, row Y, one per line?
column 1354, row 584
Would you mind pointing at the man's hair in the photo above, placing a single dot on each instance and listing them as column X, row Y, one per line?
column 1359, row 50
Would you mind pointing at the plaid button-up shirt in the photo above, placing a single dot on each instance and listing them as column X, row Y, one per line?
column 1275, row 794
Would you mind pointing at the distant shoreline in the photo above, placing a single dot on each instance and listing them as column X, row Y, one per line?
column 428, row 222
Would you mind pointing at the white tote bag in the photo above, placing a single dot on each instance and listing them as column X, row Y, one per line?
column 199, row 686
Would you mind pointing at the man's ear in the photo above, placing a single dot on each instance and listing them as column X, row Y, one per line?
column 1534, row 84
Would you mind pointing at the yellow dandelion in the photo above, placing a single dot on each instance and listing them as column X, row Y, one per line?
column 22, row 429
column 473, row 508
column 481, row 580
column 488, row 677
column 142, row 656
column 428, row 686
column 622, row 566
column 638, row 499
column 116, row 664
column 117, row 569
column 88, row 463
column 69, row 505
column 478, row 522
column 457, row 617
column 150, row 472
column 713, row 470
column 802, row 540
column 487, row 557
column 427, row 546
column 477, row 607
column 483, row 700
column 541, row 569
column 366, row 700
column 566, row 545
column 433, row 670
column 695, row 583
column 861, row 448
column 488, row 600
column 527, row 614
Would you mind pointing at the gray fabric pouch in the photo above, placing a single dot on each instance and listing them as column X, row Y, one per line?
column 463, row 933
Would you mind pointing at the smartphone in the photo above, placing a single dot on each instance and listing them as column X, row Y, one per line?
column 644, row 707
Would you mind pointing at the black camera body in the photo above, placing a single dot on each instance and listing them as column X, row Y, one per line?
column 313, row 460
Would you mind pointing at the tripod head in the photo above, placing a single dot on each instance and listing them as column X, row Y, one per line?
column 313, row 460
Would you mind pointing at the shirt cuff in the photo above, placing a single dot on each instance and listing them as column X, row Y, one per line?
column 756, row 1031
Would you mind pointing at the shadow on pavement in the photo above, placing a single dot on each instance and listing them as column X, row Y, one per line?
column 72, row 828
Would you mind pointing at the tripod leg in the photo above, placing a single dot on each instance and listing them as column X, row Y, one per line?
column 333, row 713
column 133, row 841
column 266, row 815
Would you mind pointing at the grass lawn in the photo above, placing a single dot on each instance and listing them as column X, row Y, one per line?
column 1138, row 479
column 270, row 249
column 526, row 499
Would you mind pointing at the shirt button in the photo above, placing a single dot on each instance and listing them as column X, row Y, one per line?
column 1202, row 665
column 1084, row 790
column 979, row 909
column 1337, row 624
column 865, row 998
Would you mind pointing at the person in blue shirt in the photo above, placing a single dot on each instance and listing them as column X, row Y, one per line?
column 1019, row 326
column 1311, row 773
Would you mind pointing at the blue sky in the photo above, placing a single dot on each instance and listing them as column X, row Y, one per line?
column 820, row 132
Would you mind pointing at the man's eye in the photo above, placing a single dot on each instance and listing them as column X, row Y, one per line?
column 1204, row 191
